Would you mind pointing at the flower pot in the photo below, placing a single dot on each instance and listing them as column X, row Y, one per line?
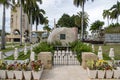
column 116, row 74
column 3, row 74
column 18, row 75
column 37, row 74
column 109, row 74
column 10, row 74
column 27, row 75
column 92, row 73
column 101, row 74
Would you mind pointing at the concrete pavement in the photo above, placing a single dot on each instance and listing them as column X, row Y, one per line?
column 65, row 72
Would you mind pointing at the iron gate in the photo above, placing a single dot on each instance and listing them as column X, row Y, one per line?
column 64, row 56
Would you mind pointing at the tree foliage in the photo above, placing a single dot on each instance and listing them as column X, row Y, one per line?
column 97, row 25
column 78, row 20
column 115, row 11
column 112, row 13
column 113, row 28
column 0, row 32
column 65, row 21
column 6, row 4
column 73, row 21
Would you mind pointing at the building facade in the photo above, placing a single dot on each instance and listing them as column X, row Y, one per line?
column 15, row 25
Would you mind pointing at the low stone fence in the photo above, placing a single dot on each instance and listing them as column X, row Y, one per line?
column 46, row 59
column 87, row 56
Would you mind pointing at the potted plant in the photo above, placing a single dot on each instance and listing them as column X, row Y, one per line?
column 2, row 70
column 117, row 70
column 103, row 67
column 91, row 69
column 10, row 71
column 26, row 71
column 37, row 69
column 18, row 71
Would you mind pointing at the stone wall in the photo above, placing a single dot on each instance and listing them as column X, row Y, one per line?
column 46, row 59
column 112, row 38
column 86, row 56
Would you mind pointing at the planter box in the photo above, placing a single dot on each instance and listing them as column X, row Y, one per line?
column 10, row 74
column 36, row 75
column 92, row 73
column 101, row 74
column 116, row 74
column 27, row 75
column 109, row 74
column 18, row 75
column 3, row 74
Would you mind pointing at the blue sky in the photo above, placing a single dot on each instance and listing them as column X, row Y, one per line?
column 56, row 8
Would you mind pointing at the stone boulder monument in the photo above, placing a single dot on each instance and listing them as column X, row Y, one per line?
column 64, row 35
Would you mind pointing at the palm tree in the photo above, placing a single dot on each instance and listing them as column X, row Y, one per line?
column 106, row 14
column 6, row 4
column 81, row 3
column 46, row 26
column 78, row 20
column 29, row 7
column 115, row 11
column 38, row 17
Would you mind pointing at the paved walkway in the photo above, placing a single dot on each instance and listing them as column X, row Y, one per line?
column 68, row 72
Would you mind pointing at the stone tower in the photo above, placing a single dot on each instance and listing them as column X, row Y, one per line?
column 15, row 25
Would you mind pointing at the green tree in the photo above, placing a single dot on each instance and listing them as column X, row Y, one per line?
column 106, row 14
column 64, row 21
column 67, row 21
column 81, row 3
column 38, row 17
column 78, row 21
column 47, row 28
column 96, row 26
column 6, row 4
column 0, row 32
column 115, row 11
column 46, row 25
column 29, row 6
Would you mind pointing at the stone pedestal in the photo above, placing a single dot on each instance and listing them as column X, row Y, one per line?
column 86, row 56
column 46, row 59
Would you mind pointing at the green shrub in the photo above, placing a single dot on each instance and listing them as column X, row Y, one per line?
column 43, row 46
column 80, row 47
column 20, row 57
column 113, row 28
column 56, row 43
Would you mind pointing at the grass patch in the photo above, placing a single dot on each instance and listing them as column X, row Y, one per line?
column 11, row 48
column 20, row 57
column 106, row 49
